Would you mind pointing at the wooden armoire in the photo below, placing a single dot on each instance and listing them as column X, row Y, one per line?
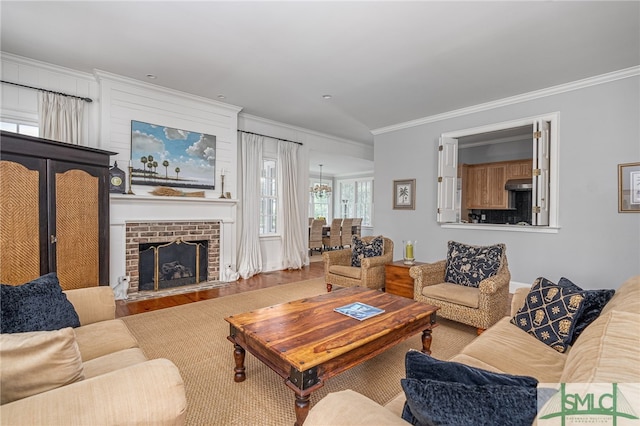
column 54, row 211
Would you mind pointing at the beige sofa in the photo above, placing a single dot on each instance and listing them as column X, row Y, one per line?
column 113, row 382
column 606, row 352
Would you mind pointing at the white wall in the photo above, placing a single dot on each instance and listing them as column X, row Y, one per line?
column 599, row 128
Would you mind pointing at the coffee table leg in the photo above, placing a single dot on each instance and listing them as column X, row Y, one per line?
column 238, row 356
column 302, row 409
column 426, row 341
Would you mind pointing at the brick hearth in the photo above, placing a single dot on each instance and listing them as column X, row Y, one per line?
column 161, row 232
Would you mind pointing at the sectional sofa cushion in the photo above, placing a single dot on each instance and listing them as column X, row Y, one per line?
column 38, row 361
column 550, row 313
column 468, row 265
column 607, row 351
column 39, row 305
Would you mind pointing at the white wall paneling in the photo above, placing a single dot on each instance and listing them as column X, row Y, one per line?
column 21, row 104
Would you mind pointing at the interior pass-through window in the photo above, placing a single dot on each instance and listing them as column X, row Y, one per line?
column 501, row 174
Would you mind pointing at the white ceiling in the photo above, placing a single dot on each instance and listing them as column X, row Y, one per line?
column 384, row 63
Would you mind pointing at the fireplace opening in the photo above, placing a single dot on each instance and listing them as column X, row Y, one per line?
column 172, row 264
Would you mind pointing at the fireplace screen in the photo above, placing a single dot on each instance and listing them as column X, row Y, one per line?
column 174, row 264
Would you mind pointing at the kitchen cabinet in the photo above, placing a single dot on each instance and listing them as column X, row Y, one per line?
column 519, row 169
column 54, row 212
column 484, row 184
column 485, row 188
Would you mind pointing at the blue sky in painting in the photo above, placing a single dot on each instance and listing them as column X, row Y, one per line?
column 194, row 153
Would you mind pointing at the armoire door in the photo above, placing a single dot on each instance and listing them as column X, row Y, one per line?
column 74, row 223
column 54, row 211
column 23, row 209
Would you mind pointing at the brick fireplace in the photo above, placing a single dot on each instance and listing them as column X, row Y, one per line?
column 137, row 233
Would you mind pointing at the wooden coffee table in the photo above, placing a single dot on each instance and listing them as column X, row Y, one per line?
column 306, row 342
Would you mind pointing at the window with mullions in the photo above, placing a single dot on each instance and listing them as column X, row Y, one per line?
column 268, row 198
column 319, row 204
column 356, row 199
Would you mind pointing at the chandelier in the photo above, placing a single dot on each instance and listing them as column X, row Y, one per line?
column 320, row 190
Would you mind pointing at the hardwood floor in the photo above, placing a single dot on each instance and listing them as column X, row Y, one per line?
column 264, row 280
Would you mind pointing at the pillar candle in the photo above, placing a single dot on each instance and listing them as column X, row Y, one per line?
column 409, row 251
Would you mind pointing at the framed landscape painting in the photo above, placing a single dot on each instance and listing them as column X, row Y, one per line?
column 164, row 156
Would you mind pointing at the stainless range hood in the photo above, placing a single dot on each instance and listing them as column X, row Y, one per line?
column 519, row 185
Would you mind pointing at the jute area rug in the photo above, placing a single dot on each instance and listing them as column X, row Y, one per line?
column 193, row 336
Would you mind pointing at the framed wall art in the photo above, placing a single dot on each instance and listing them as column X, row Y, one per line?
column 629, row 188
column 164, row 156
column 404, row 194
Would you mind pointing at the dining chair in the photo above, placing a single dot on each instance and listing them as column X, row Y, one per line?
column 333, row 240
column 347, row 232
column 357, row 222
column 315, row 236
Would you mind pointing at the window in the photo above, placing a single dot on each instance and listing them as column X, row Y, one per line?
column 268, row 197
column 356, row 199
column 500, row 174
column 23, row 129
column 319, row 206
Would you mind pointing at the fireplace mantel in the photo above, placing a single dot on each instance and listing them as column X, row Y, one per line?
column 149, row 208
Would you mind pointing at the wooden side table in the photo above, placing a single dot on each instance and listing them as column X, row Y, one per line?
column 397, row 278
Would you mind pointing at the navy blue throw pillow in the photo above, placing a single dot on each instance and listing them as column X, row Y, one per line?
column 594, row 301
column 457, row 386
column 550, row 313
column 39, row 305
column 433, row 402
column 361, row 249
column 468, row 265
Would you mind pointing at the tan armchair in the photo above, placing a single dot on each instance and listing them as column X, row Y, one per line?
column 338, row 270
column 479, row 307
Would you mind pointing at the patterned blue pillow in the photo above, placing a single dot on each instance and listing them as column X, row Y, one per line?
column 550, row 313
column 361, row 249
column 594, row 301
column 468, row 265
column 39, row 305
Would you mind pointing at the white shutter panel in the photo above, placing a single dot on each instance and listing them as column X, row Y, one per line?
column 448, row 210
column 540, row 194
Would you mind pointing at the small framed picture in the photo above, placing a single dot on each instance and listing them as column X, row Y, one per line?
column 629, row 188
column 404, row 194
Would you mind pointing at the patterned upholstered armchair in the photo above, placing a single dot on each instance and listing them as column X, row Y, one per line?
column 338, row 269
column 471, row 286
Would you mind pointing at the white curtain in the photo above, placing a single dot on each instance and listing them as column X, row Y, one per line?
column 60, row 117
column 294, row 252
column 249, row 255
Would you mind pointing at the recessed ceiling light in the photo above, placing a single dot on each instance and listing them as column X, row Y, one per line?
column 222, row 97
column 152, row 76
column 326, row 96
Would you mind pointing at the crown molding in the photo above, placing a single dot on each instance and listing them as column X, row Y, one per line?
column 47, row 66
column 554, row 90
column 302, row 130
